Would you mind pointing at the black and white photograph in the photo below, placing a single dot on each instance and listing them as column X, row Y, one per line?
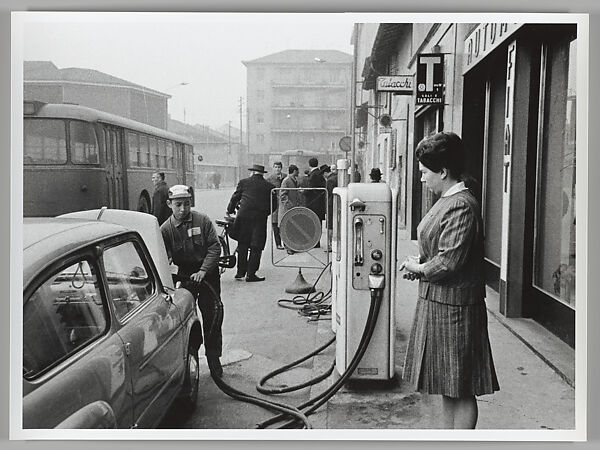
column 289, row 226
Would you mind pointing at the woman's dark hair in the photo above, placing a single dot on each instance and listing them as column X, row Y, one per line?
column 443, row 150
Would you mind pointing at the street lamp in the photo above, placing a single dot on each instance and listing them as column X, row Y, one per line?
column 183, row 83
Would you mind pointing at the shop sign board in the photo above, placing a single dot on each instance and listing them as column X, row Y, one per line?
column 430, row 79
column 484, row 39
column 398, row 84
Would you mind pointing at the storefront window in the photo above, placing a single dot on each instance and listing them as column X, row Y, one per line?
column 554, row 270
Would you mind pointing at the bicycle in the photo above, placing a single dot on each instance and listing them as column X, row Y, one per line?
column 227, row 260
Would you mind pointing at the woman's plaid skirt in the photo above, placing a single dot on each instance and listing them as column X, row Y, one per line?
column 449, row 351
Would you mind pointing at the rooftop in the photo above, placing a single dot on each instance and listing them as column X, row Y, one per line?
column 40, row 71
column 303, row 57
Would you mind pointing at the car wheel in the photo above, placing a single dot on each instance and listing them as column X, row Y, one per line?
column 189, row 391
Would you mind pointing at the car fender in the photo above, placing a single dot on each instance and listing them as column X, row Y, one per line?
column 96, row 415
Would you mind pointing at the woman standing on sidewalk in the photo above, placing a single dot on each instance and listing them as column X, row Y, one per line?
column 448, row 351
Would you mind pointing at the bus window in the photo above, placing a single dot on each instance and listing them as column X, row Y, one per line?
column 134, row 149
column 162, row 154
column 45, row 142
column 153, row 153
column 143, row 158
column 84, row 147
column 170, row 156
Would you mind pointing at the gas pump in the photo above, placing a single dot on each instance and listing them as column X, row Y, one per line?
column 362, row 254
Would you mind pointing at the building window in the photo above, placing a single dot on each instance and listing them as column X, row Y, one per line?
column 260, row 74
column 260, row 138
column 260, row 118
column 554, row 264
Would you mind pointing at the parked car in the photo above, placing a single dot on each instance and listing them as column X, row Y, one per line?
column 108, row 342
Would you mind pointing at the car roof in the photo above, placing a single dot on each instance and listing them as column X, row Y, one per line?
column 45, row 240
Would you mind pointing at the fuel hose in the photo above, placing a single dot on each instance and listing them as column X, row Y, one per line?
column 287, row 410
column 313, row 404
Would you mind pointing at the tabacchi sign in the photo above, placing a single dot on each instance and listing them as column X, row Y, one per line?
column 430, row 79
column 400, row 84
column 485, row 38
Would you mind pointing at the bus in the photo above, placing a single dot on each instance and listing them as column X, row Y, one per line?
column 78, row 158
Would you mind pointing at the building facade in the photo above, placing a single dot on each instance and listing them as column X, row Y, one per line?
column 509, row 90
column 43, row 81
column 298, row 100
column 214, row 153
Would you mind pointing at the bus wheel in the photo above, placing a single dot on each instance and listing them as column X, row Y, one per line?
column 143, row 204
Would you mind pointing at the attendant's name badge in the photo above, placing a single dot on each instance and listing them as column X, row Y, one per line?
column 194, row 231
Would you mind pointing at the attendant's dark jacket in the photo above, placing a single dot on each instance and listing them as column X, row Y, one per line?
column 316, row 200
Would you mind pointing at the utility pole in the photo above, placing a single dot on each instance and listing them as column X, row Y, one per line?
column 229, row 139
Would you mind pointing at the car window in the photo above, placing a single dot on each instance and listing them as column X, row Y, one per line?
column 61, row 316
column 130, row 282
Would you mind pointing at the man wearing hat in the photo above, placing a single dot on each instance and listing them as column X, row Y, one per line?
column 375, row 175
column 252, row 199
column 316, row 200
column 192, row 245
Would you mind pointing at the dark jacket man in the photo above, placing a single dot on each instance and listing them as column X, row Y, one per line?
column 252, row 198
column 160, row 209
column 315, row 200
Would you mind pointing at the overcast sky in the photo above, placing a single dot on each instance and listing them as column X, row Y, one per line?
column 161, row 51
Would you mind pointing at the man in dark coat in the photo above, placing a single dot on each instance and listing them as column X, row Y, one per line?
column 252, row 199
column 315, row 200
column 160, row 209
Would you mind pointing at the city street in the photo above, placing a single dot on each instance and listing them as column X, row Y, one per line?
column 260, row 336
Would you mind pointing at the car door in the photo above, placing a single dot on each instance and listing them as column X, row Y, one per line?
column 150, row 327
column 72, row 358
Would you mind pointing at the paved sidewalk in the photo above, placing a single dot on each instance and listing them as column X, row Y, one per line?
column 535, row 370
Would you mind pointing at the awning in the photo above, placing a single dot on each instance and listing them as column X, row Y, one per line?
column 384, row 45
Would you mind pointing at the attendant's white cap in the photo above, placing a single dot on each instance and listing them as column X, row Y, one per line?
column 180, row 191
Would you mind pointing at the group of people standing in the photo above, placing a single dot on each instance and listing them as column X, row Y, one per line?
column 448, row 351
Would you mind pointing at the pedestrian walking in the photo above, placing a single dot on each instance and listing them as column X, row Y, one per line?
column 315, row 200
column 449, row 351
column 193, row 246
column 275, row 178
column 160, row 209
column 290, row 197
column 252, row 199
